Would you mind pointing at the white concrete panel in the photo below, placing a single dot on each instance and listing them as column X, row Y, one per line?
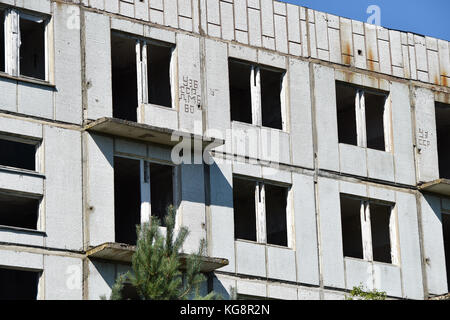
column 21, row 127
column 161, row 117
column 300, row 113
column 130, row 147
column 352, row 160
column 98, row 65
column 305, row 229
column 327, row 131
column 101, row 278
column 23, row 237
column 67, row 63
column 402, row 134
column 16, row 181
column 63, row 278
column 252, row 288
column 281, row 292
column 380, row 165
column 221, row 233
column 330, row 233
column 408, row 229
column 21, row 260
column 358, row 272
column 35, row 100
column 250, row 259
column 281, row 264
column 387, row 278
column 63, row 188
column 8, row 98
column 433, row 244
column 100, row 193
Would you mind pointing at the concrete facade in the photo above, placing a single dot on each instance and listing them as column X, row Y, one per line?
column 74, row 176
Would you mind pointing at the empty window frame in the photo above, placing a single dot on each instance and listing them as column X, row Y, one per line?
column 18, row 284
column 257, row 94
column 19, row 211
column 443, row 142
column 25, row 44
column 368, row 229
column 142, row 73
column 260, row 212
column 363, row 117
column 2, row 40
column 141, row 189
column 18, row 153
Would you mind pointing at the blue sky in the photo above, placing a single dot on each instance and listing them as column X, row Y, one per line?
column 426, row 17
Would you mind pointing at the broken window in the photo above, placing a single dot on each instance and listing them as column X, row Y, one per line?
column 244, row 209
column 2, row 40
column 366, row 229
column 380, row 216
column 271, row 87
column 362, row 116
column 240, row 91
column 446, row 231
column 256, row 94
column 141, row 73
column 18, row 211
column 161, row 187
column 32, row 47
column 443, row 142
column 18, row 284
column 124, row 77
column 276, row 221
column 260, row 212
column 351, row 227
column 127, row 201
column 17, row 154
column 158, row 74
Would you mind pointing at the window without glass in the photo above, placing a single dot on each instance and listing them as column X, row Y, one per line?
column 17, row 211
column 32, row 47
column 443, row 142
column 158, row 75
column 256, row 94
column 161, row 187
column 18, row 284
column 257, row 204
column 127, row 199
column 124, row 78
column 17, row 154
column 366, row 222
column 351, row 227
column 276, row 221
column 244, row 209
column 362, row 117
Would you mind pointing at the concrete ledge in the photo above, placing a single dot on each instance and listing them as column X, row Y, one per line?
column 440, row 187
column 118, row 252
column 145, row 132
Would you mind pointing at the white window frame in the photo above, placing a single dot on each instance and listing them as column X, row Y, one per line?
column 13, row 43
column 366, row 230
column 360, row 114
column 260, row 211
column 255, row 92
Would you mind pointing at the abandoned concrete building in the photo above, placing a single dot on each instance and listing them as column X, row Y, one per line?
column 327, row 140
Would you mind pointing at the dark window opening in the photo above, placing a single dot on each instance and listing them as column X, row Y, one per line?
column 244, row 209
column 271, row 83
column 124, row 78
column 240, row 91
column 17, row 155
column 380, row 216
column 32, row 48
column 2, row 41
column 161, row 186
column 346, row 114
column 127, row 199
column 443, row 142
column 375, row 104
column 158, row 68
column 276, row 221
column 18, row 285
column 446, row 231
column 19, row 212
column 351, row 227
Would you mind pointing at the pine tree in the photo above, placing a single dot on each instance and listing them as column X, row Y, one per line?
column 156, row 273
